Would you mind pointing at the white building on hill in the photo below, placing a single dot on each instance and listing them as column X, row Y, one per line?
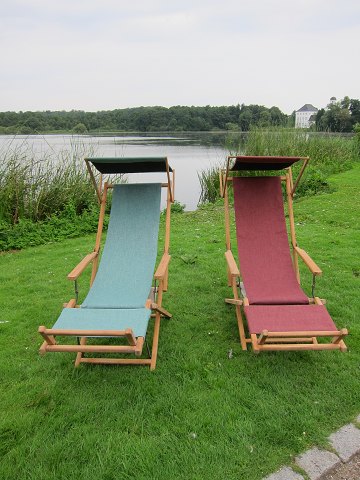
column 305, row 116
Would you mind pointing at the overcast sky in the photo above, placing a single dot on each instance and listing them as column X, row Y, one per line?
column 106, row 54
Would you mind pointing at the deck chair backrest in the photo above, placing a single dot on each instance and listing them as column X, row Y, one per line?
column 127, row 265
column 263, row 247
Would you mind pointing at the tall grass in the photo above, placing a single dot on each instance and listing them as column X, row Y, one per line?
column 328, row 154
column 35, row 187
column 209, row 183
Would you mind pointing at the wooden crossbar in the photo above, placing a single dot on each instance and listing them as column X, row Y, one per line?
column 301, row 346
column 118, row 361
column 91, row 348
column 318, row 333
column 89, row 333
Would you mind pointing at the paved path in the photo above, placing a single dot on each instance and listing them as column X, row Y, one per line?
column 341, row 463
column 346, row 471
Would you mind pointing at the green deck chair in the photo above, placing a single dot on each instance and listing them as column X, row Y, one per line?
column 121, row 299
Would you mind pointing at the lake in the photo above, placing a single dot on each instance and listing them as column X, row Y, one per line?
column 188, row 153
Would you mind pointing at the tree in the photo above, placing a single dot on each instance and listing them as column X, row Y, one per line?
column 80, row 129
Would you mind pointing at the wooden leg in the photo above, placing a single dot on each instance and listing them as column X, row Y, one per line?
column 139, row 346
column 155, row 341
column 255, row 343
column 239, row 316
column 343, row 347
column 241, row 327
column 79, row 354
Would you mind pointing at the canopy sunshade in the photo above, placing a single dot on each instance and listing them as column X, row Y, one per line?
column 263, row 163
column 130, row 164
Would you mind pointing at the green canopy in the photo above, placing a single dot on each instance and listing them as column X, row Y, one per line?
column 130, row 164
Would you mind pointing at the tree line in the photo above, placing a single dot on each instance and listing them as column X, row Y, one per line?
column 145, row 119
column 342, row 116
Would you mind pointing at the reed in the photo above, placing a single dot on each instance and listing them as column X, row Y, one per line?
column 35, row 187
column 209, row 184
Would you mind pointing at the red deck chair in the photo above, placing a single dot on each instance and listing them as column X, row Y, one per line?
column 279, row 315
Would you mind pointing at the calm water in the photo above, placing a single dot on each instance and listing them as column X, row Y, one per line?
column 187, row 154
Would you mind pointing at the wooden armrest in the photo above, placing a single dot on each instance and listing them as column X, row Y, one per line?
column 75, row 273
column 234, row 271
column 315, row 270
column 162, row 267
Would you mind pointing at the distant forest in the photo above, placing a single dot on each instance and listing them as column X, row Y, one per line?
column 339, row 117
column 145, row 119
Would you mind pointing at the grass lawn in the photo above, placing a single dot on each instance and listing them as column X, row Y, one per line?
column 200, row 414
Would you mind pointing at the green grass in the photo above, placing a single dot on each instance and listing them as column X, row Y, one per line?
column 200, row 414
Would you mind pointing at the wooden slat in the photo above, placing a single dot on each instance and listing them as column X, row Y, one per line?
column 290, row 339
column 309, row 262
column 118, row 361
column 309, row 333
column 76, row 272
column 91, row 348
column 300, row 346
column 234, row 271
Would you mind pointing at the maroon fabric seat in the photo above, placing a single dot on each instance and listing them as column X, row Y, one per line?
column 263, row 247
column 288, row 318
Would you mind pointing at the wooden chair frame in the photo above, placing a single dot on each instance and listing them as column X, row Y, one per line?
column 154, row 302
column 301, row 340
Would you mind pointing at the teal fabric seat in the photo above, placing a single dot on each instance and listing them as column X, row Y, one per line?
column 104, row 319
column 127, row 264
